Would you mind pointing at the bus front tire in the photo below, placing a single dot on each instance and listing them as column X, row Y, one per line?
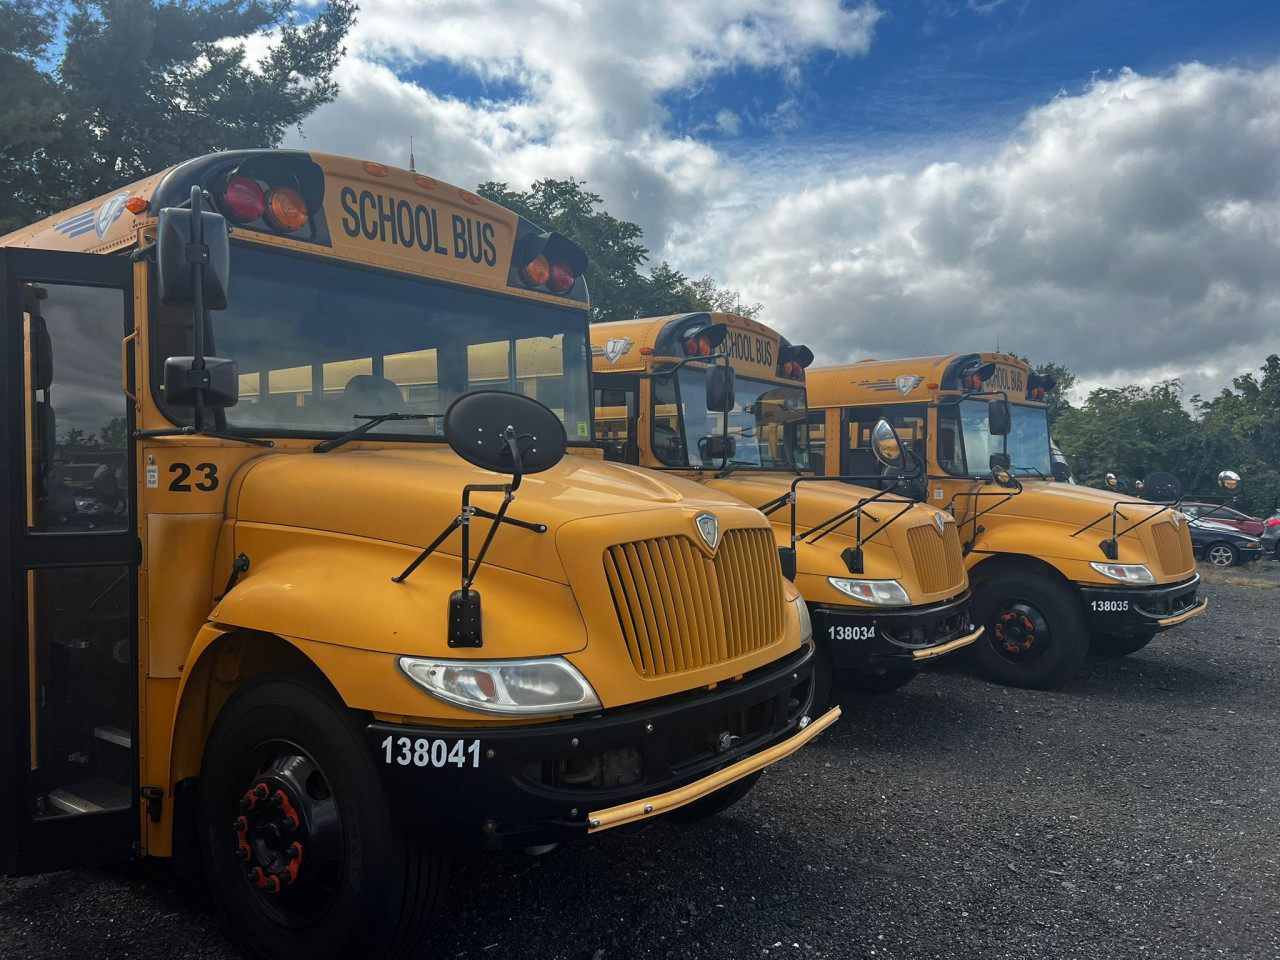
column 360, row 887
column 1035, row 635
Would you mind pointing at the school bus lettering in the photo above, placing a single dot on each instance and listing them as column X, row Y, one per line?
column 1009, row 379
column 748, row 348
column 238, row 626
column 380, row 217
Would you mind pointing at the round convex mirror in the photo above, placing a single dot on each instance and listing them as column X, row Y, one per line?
column 475, row 425
column 1162, row 487
column 1228, row 479
column 886, row 446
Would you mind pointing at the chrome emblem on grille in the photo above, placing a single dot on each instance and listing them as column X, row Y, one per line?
column 940, row 521
column 708, row 529
column 1177, row 519
column 616, row 348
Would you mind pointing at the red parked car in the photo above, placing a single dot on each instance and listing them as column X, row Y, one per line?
column 1250, row 526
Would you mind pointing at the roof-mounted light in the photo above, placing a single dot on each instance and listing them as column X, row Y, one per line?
column 242, row 199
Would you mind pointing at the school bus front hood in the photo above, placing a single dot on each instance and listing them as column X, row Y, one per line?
column 408, row 497
column 920, row 548
column 1066, row 503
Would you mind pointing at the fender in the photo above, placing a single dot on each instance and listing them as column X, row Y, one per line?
column 1050, row 541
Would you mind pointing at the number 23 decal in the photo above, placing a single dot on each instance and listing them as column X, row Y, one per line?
column 182, row 472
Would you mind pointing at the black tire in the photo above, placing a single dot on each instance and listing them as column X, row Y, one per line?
column 861, row 681
column 1221, row 554
column 1111, row 645
column 1035, row 635
column 706, row 807
column 362, row 889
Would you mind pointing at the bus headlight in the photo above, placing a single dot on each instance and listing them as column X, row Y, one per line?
column 806, row 624
column 545, row 687
column 1124, row 572
column 881, row 593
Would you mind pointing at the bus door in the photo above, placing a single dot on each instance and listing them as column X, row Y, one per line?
column 69, row 556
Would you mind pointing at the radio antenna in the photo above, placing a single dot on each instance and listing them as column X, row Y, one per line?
column 411, row 170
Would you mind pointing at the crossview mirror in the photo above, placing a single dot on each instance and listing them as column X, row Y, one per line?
column 220, row 381
column 1119, row 484
column 1162, row 487
column 1228, row 480
column 1082, row 468
column 720, row 389
column 504, row 432
column 887, row 447
column 174, row 250
column 1061, row 472
column 999, row 419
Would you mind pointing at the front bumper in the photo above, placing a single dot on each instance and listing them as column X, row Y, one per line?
column 870, row 640
column 1126, row 611
column 547, row 782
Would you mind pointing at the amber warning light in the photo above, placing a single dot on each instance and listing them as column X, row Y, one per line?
column 548, row 261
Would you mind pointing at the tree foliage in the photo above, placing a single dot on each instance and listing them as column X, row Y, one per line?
column 619, row 291
column 1134, row 431
column 139, row 85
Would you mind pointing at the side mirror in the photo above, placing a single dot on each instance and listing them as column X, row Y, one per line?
column 717, row 447
column 720, row 389
column 887, row 446
column 1117, row 483
column 999, row 418
column 1061, row 472
column 1162, row 487
column 1082, row 467
column 1000, row 461
column 1228, row 480
column 173, row 268
column 504, row 432
column 220, row 381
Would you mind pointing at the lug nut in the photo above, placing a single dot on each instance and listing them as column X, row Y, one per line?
column 240, row 823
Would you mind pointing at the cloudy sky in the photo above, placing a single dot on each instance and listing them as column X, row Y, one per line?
column 1095, row 182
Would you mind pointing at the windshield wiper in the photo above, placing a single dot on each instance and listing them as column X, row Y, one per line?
column 372, row 420
column 1035, row 470
column 191, row 432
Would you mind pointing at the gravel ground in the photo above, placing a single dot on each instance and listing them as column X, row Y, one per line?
column 1134, row 813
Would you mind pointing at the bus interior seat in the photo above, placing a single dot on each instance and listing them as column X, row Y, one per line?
column 368, row 394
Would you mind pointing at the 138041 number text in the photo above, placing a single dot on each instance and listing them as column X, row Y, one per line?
column 424, row 752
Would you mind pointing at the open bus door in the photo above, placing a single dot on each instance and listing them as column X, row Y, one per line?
column 70, row 556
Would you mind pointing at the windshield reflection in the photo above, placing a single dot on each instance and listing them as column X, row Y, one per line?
column 318, row 343
column 965, row 443
column 768, row 424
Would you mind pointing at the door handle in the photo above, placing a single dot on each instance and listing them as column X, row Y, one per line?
column 124, row 365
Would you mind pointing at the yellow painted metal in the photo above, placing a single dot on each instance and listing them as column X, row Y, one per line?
column 925, row 560
column 932, row 652
column 1186, row 615
column 674, row 799
column 1041, row 520
column 325, row 534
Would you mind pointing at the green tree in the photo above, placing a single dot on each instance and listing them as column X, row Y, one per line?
column 618, row 289
column 1242, row 432
column 1058, row 400
column 142, row 84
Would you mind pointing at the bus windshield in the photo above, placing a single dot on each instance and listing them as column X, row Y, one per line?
column 769, row 423
column 965, row 443
column 318, row 343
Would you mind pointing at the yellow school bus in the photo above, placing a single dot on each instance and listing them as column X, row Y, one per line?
column 1057, row 570
column 300, row 589
column 883, row 576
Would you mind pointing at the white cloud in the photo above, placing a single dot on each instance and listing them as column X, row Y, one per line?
column 1132, row 231
column 588, row 82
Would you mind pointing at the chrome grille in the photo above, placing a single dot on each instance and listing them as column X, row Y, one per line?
column 1173, row 547
column 938, row 561
column 680, row 610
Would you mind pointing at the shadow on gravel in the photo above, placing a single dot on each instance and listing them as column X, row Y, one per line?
column 877, row 722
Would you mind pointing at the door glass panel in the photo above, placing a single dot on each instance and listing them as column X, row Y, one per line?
column 80, row 689
column 76, row 412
